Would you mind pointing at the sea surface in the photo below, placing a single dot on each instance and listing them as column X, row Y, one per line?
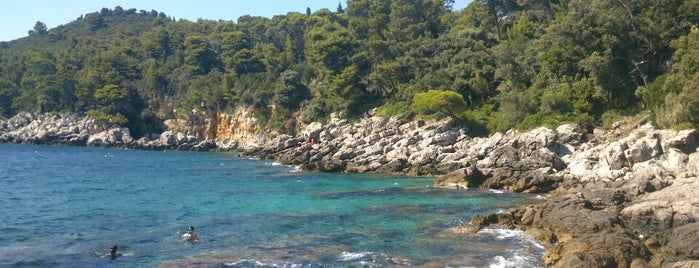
column 66, row 206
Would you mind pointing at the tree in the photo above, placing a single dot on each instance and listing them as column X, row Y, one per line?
column 411, row 19
column 112, row 103
column 443, row 103
column 681, row 87
column 289, row 91
column 329, row 46
column 7, row 93
column 198, row 55
column 340, row 9
column 39, row 29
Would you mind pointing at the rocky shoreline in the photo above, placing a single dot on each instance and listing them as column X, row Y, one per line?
column 76, row 130
column 621, row 198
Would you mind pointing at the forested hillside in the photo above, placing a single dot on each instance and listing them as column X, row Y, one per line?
column 495, row 65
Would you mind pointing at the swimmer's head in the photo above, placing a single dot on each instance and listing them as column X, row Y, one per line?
column 191, row 228
column 114, row 250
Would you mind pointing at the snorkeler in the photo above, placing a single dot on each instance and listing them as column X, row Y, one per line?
column 190, row 235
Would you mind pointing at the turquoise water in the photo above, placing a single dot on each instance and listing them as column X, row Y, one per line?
column 65, row 206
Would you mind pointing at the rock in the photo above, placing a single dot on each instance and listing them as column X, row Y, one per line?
column 445, row 138
column 115, row 137
column 311, row 132
column 394, row 166
column 683, row 264
column 570, row 134
column 468, row 177
column 681, row 243
column 168, row 139
column 660, row 211
column 613, row 155
column 616, row 249
column 643, row 150
column 618, row 124
column 538, row 138
column 505, row 220
column 685, row 141
column 540, row 180
column 398, row 153
column 205, row 145
column 676, row 162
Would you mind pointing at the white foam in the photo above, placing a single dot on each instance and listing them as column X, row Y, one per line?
column 351, row 256
column 514, row 261
column 502, row 233
column 521, row 257
column 495, row 191
column 253, row 261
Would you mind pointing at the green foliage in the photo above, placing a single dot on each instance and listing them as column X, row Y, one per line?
column 440, row 103
column 6, row 96
column 290, row 91
column 316, row 111
column 681, row 87
column 392, row 109
column 39, row 29
column 112, row 103
column 502, row 64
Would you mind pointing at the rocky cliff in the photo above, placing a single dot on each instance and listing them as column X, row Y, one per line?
column 621, row 198
column 221, row 131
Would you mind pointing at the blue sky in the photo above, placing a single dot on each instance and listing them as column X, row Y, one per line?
column 19, row 16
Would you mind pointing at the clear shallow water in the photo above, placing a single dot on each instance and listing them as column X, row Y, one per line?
column 65, row 206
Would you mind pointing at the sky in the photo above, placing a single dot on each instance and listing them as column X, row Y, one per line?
column 17, row 17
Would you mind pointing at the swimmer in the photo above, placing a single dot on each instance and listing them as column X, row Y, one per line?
column 113, row 253
column 190, row 235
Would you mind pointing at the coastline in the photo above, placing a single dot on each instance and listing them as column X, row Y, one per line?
column 625, row 198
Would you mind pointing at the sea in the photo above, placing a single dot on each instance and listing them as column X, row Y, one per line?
column 66, row 206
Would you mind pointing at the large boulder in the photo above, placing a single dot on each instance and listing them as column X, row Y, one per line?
column 570, row 134
column 168, row 139
column 312, row 132
column 603, row 249
column 469, row 177
column 659, row 211
column 115, row 137
column 685, row 141
column 613, row 155
column 643, row 149
column 681, row 244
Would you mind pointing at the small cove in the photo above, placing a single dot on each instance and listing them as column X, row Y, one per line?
column 65, row 206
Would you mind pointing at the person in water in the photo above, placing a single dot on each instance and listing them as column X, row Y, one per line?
column 113, row 253
column 190, row 235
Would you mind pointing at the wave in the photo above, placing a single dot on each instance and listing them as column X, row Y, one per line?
column 255, row 263
column 516, row 260
column 292, row 167
column 502, row 233
column 370, row 259
column 525, row 253
column 352, row 256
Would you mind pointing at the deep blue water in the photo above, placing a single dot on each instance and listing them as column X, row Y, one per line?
column 65, row 206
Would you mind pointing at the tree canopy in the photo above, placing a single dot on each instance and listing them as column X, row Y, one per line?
column 508, row 64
